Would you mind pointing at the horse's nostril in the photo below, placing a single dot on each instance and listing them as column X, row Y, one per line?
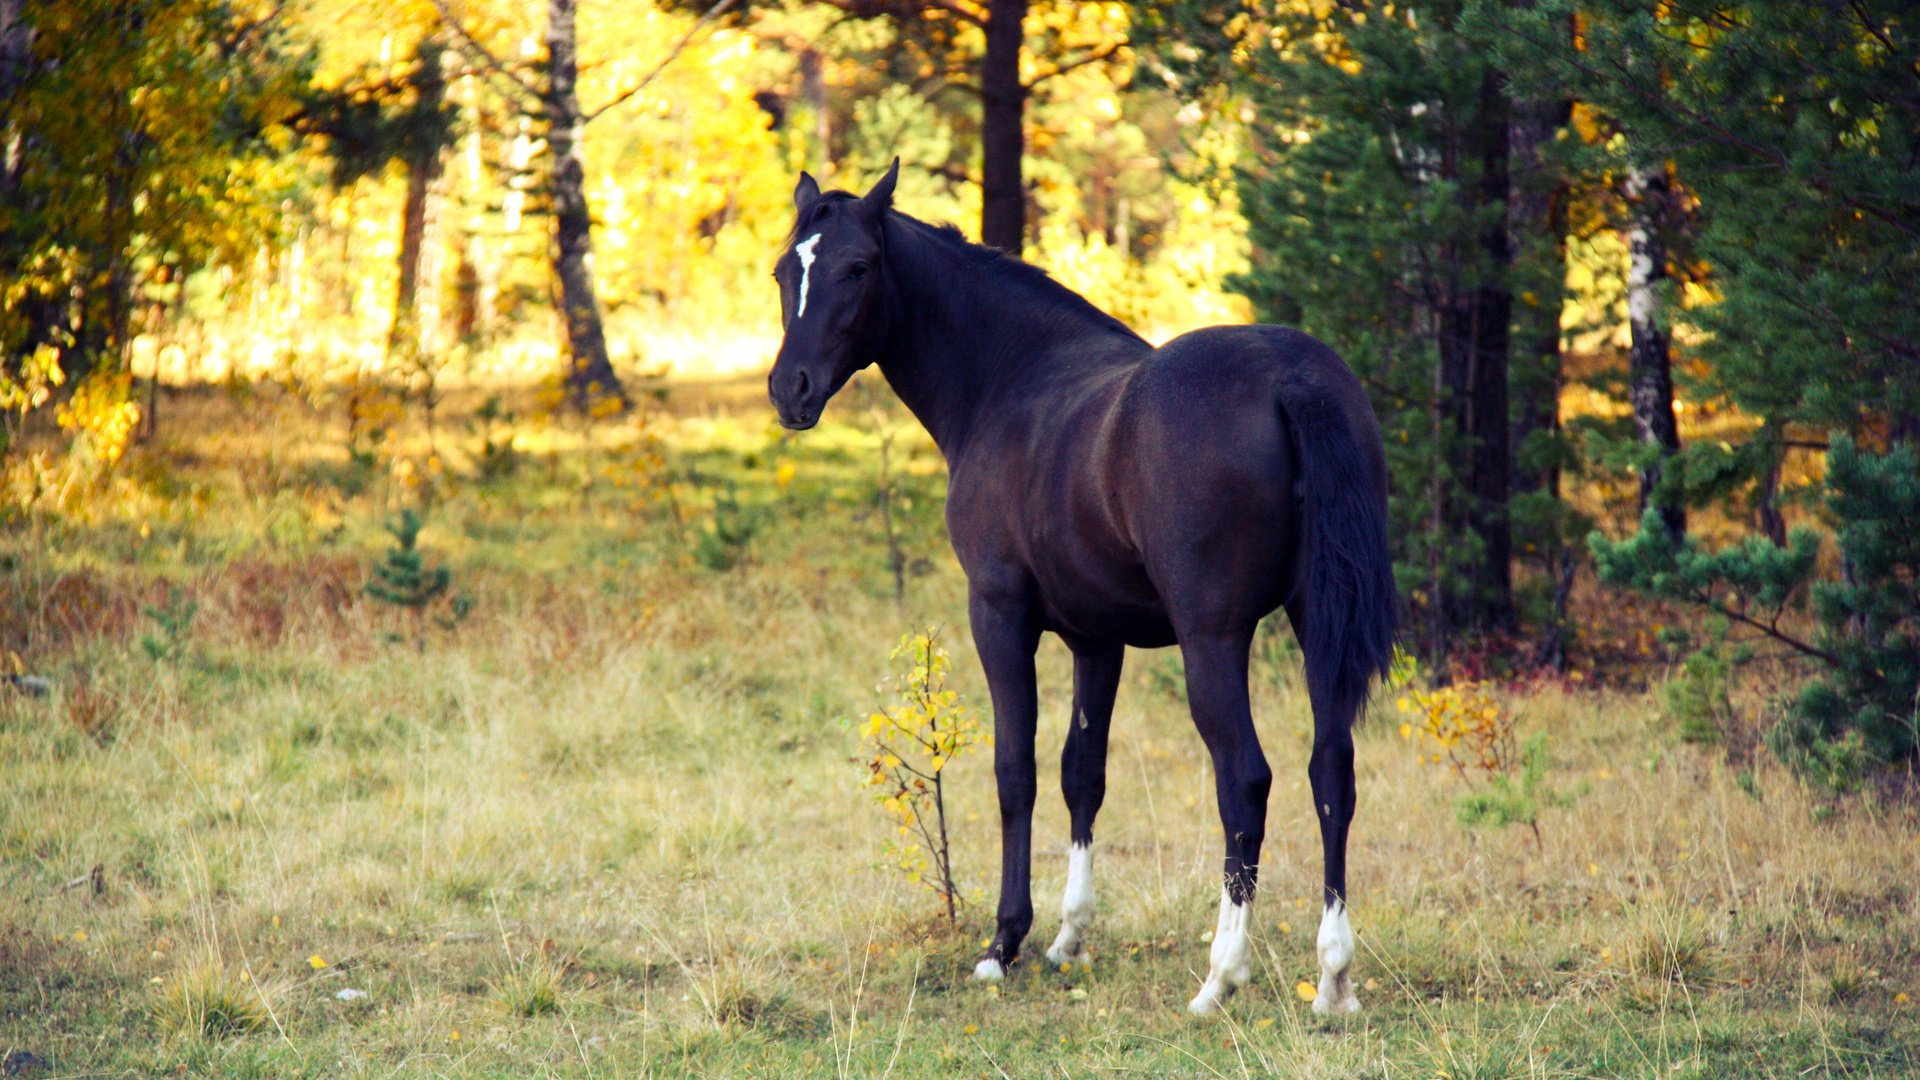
column 802, row 385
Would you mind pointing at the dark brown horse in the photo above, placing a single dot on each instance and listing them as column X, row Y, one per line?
column 1116, row 494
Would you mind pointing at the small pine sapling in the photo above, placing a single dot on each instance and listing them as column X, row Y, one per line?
column 1513, row 800
column 174, row 620
column 404, row 580
column 722, row 541
column 1472, row 734
column 908, row 748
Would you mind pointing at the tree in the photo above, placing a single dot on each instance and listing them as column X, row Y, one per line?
column 977, row 47
column 1650, row 214
column 1797, row 130
column 1375, row 191
column 424, row 152
column 142, row 140
column 545, row 90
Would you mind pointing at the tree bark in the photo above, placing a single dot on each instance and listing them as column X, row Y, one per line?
column 1537, row 229
column 1650, row 367
column 16, row 60
column 423, row 161
column 1475, row 337
column 590, row 378
column 1003, row 205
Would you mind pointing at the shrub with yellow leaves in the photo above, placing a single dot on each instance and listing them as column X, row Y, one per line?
column 908, row 748
column 1464, row 725
column 101, row 415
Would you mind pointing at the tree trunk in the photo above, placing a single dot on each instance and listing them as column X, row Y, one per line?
column 1003, row 207
column 423, row 161
column 590, row 378
column 1474, row 343
column 16, row 60
column 1650, row 369
column 1537, row 229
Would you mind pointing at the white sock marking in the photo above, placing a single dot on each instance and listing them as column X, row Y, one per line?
column 1335, row 946
column 804, row 249
column 1076, row 907
column 988, row 970
column 1231, row 956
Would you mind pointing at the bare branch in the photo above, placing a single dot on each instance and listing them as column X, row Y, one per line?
column 1096, row 56
column 903, row 9
column 516, row 82
column 712, row 13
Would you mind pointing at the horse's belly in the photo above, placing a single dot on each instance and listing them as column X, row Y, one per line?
column 1109, row 606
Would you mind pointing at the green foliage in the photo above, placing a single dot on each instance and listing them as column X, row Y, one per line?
column 1795, row 127
column 1870, row 618
column 494, row 423
column 1513, row 800
column 1860, row 708
column 404, row 579
column 1699, row 699
column 723, row 539
column 174, row 620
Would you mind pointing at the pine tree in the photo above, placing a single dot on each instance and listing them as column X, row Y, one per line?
column 1863, row 702
column 1375, row 193
column 1797, row 130
column 404, row 579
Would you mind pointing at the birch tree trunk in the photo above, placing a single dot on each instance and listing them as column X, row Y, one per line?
column 1650, row 369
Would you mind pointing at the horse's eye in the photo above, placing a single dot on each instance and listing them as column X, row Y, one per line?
column 857, row 271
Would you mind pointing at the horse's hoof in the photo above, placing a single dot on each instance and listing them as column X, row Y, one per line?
column 1061, row 953
column 1330, row 1006
column 1059, row 958
column 988, row 970
column 1208, row 1000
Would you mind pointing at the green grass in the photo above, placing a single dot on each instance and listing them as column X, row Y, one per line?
column 608, row 826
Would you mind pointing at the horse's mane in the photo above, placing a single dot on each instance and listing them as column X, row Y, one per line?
column 1016, row 274
column 980, row 260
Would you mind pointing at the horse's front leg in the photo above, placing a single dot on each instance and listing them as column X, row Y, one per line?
column 1006, row 633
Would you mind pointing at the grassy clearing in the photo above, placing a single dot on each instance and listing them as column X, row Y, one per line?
column 608, row 826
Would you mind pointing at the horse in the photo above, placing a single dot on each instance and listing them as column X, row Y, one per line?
column 1116, row 494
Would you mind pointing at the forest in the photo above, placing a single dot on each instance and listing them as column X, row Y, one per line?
column 421, row 650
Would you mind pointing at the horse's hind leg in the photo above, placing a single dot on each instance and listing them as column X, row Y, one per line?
column 1083, row 780
column 1330, row 770
column 1217, row 694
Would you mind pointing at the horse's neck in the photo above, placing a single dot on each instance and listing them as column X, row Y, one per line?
column 963, row 341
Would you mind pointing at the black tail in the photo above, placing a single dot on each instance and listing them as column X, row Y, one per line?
column 1351, row 602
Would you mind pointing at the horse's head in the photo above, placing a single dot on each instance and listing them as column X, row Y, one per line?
column 829, row 296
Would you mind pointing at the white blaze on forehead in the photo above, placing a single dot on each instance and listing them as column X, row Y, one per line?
column 804, row 249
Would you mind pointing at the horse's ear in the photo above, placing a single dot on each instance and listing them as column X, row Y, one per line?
column 804, row 192
column 881, row 196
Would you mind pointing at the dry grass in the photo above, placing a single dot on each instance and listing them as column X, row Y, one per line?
column 608, row 825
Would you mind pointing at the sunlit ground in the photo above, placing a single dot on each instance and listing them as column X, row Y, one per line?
column 607, row 825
